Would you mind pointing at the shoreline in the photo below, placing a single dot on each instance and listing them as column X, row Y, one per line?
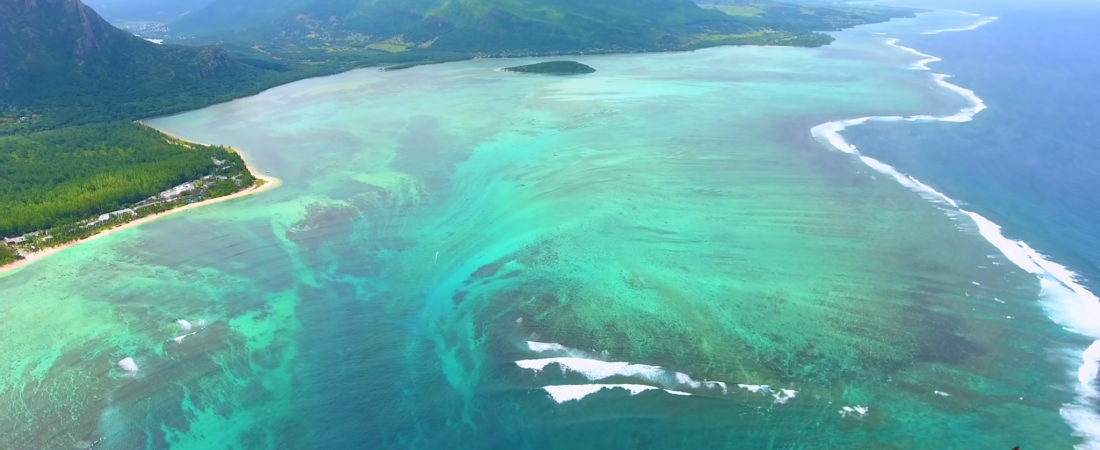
column 269, row 184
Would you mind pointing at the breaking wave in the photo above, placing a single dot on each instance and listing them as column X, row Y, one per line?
column 854, row 411
column 975, row 26
column 128, row 365
column 598, row 370
column 1065, row 300
column 565, row 393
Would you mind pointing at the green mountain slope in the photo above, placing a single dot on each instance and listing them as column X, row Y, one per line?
column 806, row 15
column 63, row 64
column 497, row 27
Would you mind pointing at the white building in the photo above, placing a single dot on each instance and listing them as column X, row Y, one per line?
column 176, row 191
column 108, row 216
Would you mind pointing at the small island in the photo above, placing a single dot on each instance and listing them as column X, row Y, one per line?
column 553, row 68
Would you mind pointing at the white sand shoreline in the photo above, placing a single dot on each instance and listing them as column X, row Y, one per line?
column 269, row 183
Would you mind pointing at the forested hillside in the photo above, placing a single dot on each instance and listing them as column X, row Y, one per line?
column 70, row 86
column 322, row 30
column 800, row 16
column 61, row 64
column 470, row 26
column 53, row 177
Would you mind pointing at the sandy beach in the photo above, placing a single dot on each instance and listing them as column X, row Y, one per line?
column 269, row 183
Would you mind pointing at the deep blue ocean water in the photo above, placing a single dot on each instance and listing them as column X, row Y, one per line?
column 1031, row 162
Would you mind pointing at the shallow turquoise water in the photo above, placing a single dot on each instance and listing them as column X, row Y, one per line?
column 669, row 210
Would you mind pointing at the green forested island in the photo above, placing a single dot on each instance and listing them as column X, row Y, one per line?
column 71, row 84
column 553, row 68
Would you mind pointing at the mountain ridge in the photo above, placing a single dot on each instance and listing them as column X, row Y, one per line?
column 495, row 27
column 59, row 58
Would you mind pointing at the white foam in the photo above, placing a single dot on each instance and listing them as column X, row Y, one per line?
column 184, row 325
column 128, row 365
column 591, row 368
column 565, row 393
column 541, row 347
column 975, row 26
column 942, row 394
column 919, row 65
column 755, row 387
column 965, row 114
column 854, row 411
column 597, row 370
column 179, row 339
column 1065, row 300
column 1091, row 366
column 783, row 395
column 1085, row 424
column 544, row 346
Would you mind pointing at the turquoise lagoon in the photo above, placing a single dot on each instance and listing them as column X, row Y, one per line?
column 656, row 255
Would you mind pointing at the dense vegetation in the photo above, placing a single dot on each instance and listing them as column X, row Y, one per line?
column 553, row 67
column 70, row 85
column 319, row 31
column 72, row 174
column 805, row 16
column 62, row 65
column 7, row 255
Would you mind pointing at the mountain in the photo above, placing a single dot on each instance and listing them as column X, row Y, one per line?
column 319, row 30
column 807, row 15
column 62, row 63
column 63, row 66
column 145, row 10
column 497, row 27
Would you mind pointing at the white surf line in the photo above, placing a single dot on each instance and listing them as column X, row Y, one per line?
column 597, row 370
column 781, row 396
column 570, row 392
column 984, row 21
column 919, row 65
column 1066, row 301
column 554, row 347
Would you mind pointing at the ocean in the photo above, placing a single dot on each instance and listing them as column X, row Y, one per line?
column 681, row 250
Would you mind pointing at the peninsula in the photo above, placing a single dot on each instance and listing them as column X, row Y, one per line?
column 553, row 68
column 229, row 178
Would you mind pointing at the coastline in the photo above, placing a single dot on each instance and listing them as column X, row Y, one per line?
column 1067, row 302
column 269, row 183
